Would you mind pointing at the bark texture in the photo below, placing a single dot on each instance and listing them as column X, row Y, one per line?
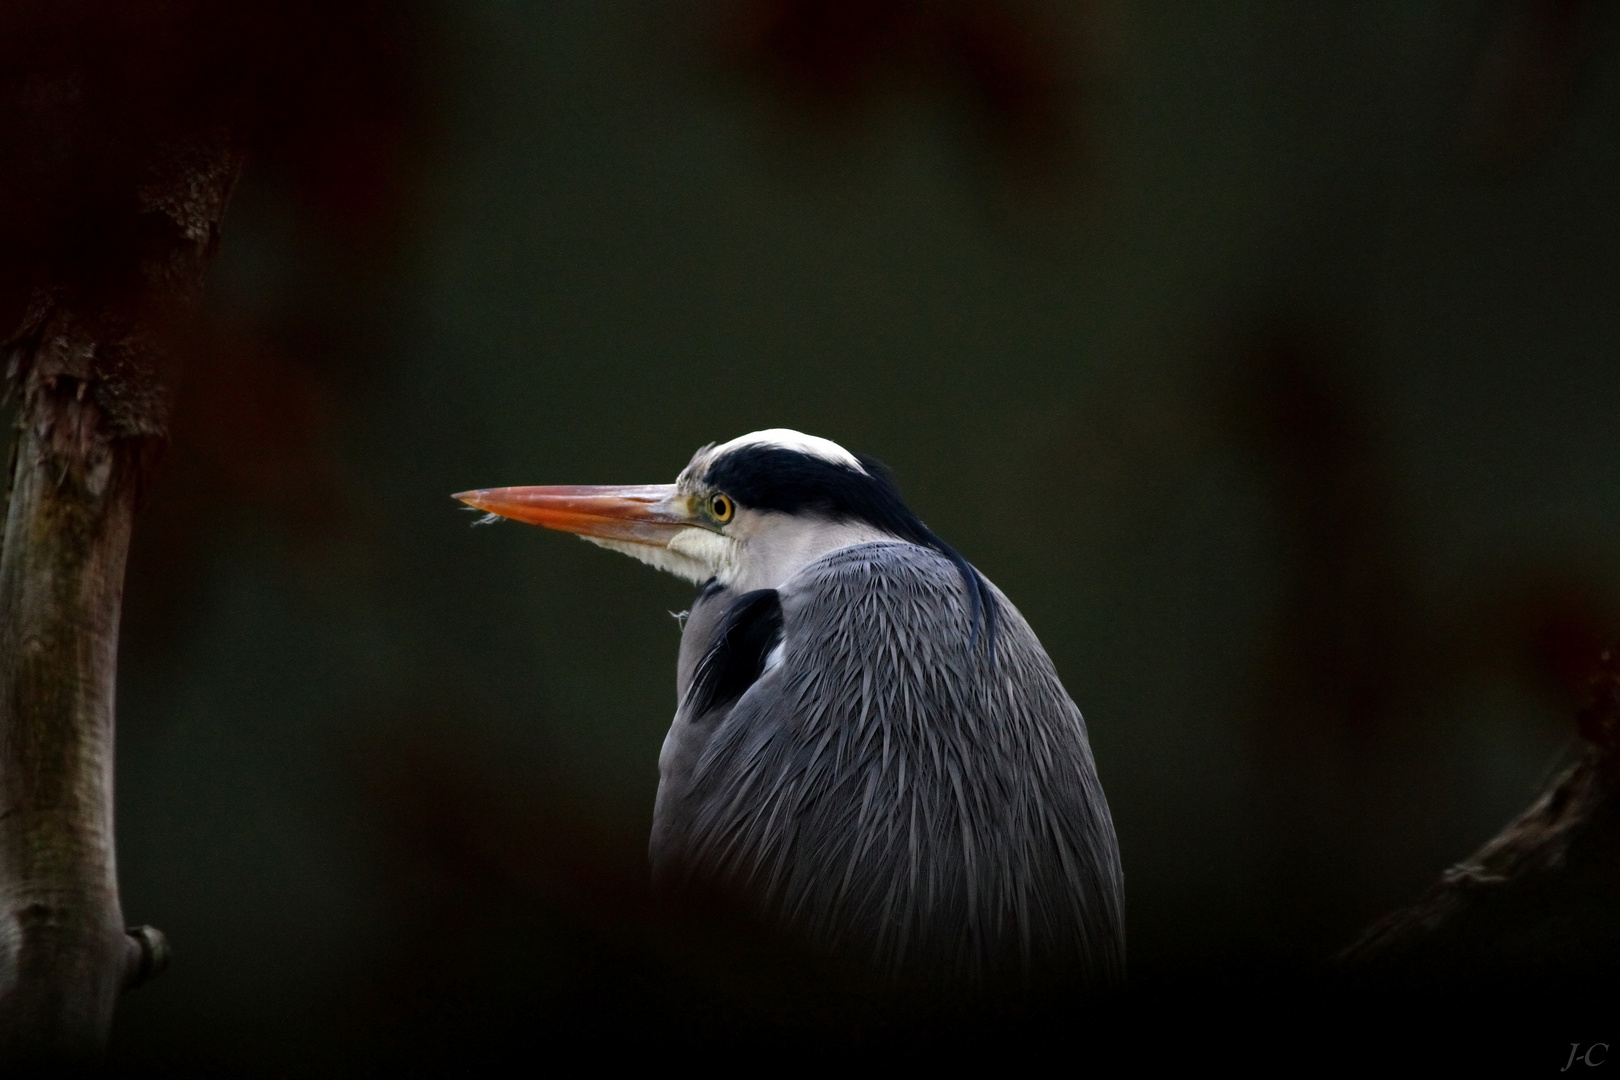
column 86, row 365
column 1537, row 904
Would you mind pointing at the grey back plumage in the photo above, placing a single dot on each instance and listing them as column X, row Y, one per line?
column 862, row 773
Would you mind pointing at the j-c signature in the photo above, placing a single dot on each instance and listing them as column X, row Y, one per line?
column 1596, row 1054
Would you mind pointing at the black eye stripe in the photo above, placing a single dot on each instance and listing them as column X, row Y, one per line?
column 794, row 482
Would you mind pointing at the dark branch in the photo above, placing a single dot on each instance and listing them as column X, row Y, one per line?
column 85, row 364
column 1538, row 901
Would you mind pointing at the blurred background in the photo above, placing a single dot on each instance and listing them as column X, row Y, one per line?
column 1264, row 354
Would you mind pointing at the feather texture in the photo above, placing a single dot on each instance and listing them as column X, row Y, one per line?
column 885, row 792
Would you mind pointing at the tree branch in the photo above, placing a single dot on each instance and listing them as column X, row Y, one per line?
column 85, row 364
column 1538, row 901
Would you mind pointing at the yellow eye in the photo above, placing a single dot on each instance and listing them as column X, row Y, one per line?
column 721, row 507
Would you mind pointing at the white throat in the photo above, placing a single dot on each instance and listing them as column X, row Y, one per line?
column 761, row 550
column 773, row 547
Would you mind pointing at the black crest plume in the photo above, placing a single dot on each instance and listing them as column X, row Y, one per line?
column 791, row 481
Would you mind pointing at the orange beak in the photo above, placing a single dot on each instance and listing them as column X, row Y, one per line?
column 642, row 514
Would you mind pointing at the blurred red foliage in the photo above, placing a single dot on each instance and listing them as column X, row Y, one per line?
column 1556, row 628
column 1354, row 649
column 543, row 847
column 1530, row 72
column 321, row 92
column 1348, row 647
column 323, row 100
column 1013, row 63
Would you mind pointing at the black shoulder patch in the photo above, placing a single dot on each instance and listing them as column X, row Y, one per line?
column 735, row 660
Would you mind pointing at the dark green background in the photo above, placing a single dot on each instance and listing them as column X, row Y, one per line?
column 616, row 251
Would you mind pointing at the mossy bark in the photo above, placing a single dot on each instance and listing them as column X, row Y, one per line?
column 63, row 949
column 86, row 366
column 1536, row 907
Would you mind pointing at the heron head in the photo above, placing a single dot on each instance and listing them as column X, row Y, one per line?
column 749, row 513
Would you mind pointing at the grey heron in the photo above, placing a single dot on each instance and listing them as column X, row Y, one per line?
column 871, row 751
